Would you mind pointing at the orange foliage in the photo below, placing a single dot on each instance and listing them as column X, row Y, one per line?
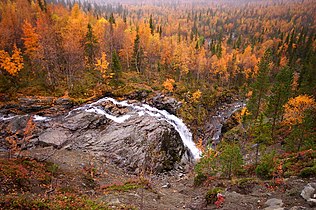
column 31, row 40
column 102, row 66
column 294, row 109
column 169, row 85
column 200, row 146
column 12, row 64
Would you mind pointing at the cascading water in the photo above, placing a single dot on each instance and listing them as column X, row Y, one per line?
column 136, row 110
column 221, row 116
column 141, row 110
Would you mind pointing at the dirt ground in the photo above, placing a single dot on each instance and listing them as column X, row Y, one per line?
column 98, row 178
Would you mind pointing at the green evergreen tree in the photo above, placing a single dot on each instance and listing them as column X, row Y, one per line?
column 112, row 19
column 280, row 94
column 307, row 79
column 116, row 67
column 137, row 54
column 90, row 46
column 260, row 87
column 230, row 159
column 303, row 135
column 151, row 25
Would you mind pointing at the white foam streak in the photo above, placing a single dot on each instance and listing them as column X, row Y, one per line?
column 99, row 111
column 40, row 118
column 177, row 123
column 6, row 118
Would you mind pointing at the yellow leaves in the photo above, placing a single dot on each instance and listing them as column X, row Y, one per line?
column 244, row 112
column 294, row 109
column 99, row 30
column 181, row 58
column 31, row 40
column 196, row 96
column 169, row 85
column 12, row 64
column 102, row 66
column 200, row 146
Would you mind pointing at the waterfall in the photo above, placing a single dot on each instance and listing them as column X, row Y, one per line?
column 141, row 110
column 137, row 110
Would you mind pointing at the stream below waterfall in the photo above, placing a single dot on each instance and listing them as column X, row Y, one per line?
column 216, row 122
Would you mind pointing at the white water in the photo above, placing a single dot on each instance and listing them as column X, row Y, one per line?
column 3, row 118
column 220, row 118
column 40, row 118
column 35, row 118
column 141, row 110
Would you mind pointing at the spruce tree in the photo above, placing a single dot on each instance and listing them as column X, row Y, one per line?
column 137, row 54
column 116, row 67
column 260, row 87
column 90, row 46
column 280, row 94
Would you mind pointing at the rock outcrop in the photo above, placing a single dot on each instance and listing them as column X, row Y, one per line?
column 132, row 139
column 163, row 102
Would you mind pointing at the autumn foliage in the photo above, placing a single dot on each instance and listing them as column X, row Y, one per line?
column 295, row 109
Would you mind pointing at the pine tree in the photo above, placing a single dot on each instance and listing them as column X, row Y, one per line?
column 90, row 46
column 116, row 67
column 260, row 87
column 280, row 94
column 137, row 54
column 151, row 25
column 230, row 158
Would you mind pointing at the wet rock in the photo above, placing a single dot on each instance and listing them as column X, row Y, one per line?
column 274, row 204
column 33, row 104
column 64, row 102
column 231, row 122
column 309, row 194
column 168, row 185
column 167, row 103
column 17, row 124
column 138, row 141
column 138, row 95
column 138, row 144
column 84, row 120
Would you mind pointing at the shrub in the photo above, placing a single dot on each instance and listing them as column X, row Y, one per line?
column 266, row 166
column 211, row 195
column 199, row 179
column 308, row 172
column 230, row 159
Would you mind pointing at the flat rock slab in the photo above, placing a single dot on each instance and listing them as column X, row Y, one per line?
column 274, row 204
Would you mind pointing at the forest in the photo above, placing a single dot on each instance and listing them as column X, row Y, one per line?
column 203, row 54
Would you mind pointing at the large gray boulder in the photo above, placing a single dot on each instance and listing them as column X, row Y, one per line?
column 167, row 103
column 139, row 144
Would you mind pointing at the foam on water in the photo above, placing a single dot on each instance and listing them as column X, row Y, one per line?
column 142, row 110
column 40, row 118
